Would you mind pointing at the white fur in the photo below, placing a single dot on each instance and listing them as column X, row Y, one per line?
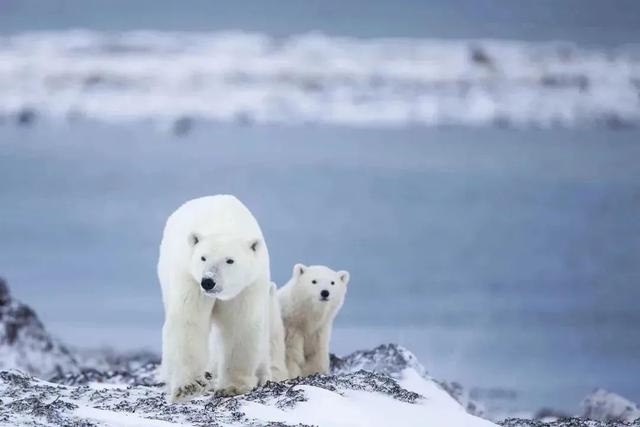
column 278, row 362
column 198, row 240
column 308, row 320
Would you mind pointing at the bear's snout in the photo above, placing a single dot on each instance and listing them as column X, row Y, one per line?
column 324, row 294
column 207, row 284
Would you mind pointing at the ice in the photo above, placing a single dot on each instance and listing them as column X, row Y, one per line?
column 315, row 78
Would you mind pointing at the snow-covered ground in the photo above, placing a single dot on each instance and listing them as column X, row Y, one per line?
column 106, row 389
column 253, row 77
column 386, row 385
column 357, row 399
column 90, row 388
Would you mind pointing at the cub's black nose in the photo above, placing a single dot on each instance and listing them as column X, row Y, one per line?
column 324, row 293
column 207, row 284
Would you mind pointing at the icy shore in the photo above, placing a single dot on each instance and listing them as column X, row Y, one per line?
column 315, row 78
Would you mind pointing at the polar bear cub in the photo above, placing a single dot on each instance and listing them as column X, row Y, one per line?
column 214, row 274
column 309, row 302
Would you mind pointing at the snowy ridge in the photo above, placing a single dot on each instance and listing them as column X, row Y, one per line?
column 399, row 363
column 313, row 78
column 25, row 344
column 357, row 398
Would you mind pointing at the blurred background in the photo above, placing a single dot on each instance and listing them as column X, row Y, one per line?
column 473, row 164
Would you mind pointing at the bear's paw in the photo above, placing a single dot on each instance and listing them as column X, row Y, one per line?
column 191, row 389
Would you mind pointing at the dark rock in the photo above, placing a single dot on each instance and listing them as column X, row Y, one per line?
column 479, row 56
column 25, row 344
column 26, row 116
column 546, row 413
column 564, row 422
column 107, row 366
column 182, row 126
column 463, row 397
column 388, row 359
column 4, row 292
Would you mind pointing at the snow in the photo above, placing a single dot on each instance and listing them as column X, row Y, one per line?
column 252, row 77
column 412, row 380
column 604, row 405
column 328, row 404
column 118, row 419
column 122, row 390
column 360, row 408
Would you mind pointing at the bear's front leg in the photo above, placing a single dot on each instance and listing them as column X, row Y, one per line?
column 243, row 327
column 264, row 364
column 241, row 356
column 316, row 350
column 294, row 344
column 184, row 351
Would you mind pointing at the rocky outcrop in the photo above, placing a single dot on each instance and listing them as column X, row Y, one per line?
column 25, row 344
column 387, row 359
column 603, row 405
column 393, row 360
column 566, row 422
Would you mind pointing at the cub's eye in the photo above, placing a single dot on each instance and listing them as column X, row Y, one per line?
column 333, row 283
column 203, row 259
column 230, row 261
column 314, row 281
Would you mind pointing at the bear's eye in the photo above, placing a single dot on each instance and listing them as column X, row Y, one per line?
column 333, row 283
column 314, row 281
column 230, row 261
column 203, row 259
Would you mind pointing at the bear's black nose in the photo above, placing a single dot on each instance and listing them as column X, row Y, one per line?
column 324, row 293
column 207, row 284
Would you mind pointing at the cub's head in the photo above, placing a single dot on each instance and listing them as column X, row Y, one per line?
column 321, row 285
column 224, row 266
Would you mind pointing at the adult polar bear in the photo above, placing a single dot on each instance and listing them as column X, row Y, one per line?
column 214, row 272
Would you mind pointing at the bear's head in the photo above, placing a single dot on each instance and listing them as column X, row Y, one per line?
column 224, row 266
column 320, row 286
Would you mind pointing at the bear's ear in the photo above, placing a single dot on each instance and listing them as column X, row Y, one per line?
column 299, row 269
column 255, row 244
column 194, row 238
column 344, row 276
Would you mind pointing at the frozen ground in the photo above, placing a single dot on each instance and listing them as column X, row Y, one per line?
column 367, row 388
column 102, row 388
column 355, row 399
column 314, row 78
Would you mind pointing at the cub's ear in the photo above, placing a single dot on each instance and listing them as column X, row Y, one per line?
column 255, row 244
column 344, row 276
column 299, row 269
column 194, row 238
